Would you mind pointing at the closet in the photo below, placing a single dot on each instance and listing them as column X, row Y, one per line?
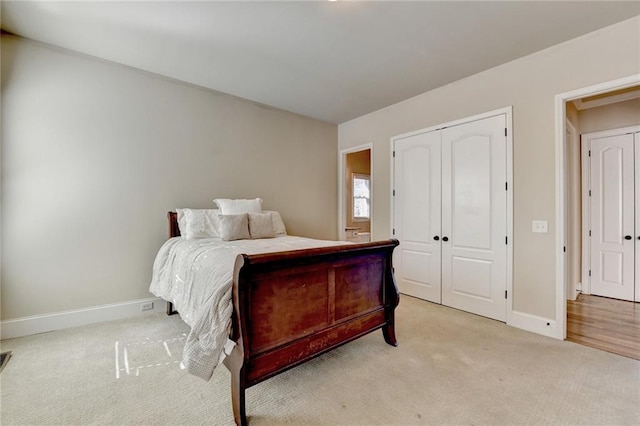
column 450, row 215
column 611, row 217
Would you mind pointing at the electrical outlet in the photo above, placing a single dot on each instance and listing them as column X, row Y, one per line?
column 539, row 226
column 147, row 306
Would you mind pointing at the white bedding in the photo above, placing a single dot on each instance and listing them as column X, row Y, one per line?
column 196, row 276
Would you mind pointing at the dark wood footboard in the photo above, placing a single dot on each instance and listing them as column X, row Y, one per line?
column 290, row 307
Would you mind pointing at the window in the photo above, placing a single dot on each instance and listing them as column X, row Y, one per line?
column 361, row 197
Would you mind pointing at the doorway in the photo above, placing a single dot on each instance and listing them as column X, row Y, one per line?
column 355, row 194
column 587, row 110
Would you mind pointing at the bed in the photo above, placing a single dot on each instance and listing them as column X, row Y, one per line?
column 287, row 307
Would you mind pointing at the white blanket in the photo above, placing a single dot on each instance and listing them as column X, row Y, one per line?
column 197, row 277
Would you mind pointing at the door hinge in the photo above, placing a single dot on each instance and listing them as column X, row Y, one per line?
column 564, row 249
column 505, row 294
column 505, row 131
column 394, row 154
column 589, row 153
column 506, row 186
column 589, row 193
column 589, row 272
column 589, row 232
column 394, row 192
column 506, row 240
column 394, row 231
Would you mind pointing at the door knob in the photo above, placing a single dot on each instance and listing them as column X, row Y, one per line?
column 627, row 237
column 445, row 238
column 437, row 238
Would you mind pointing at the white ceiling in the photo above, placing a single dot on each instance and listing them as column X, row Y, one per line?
column 333, row 61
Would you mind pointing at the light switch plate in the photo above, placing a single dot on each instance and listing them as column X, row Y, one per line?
column 540, row 226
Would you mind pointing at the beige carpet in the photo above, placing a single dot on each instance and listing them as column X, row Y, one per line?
column 450, row 368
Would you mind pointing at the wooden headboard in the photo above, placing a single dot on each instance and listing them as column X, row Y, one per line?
column 174, row 230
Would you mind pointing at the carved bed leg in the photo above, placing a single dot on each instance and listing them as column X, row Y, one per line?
column 389, row 332
column 234, row 363
column 237, row 399
column 170, row 310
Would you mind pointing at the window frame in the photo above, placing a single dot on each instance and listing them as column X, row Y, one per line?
column 360, row 176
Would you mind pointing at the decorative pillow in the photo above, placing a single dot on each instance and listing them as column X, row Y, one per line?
column 278, row 224
column 234, row 227
column 199, row 223
column 261, row 226
column 228, row 206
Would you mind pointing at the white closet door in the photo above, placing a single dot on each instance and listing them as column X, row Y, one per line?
column 637, row 215
column 474, row 254
column 612, row 217
column 417, row 215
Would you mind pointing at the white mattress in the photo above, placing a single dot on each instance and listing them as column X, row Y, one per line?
column 196, row 276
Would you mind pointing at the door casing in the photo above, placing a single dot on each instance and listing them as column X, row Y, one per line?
column 342, row 207
column 561, row 99
column 518, row 321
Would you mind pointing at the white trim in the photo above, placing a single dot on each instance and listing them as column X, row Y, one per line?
column 26, row 326
column 342, row 211
column 586, row 214
column 561, row 217
column 533, row 323
column 572, row 130
column 508, row 113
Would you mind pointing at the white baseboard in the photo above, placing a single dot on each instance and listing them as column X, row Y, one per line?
column 26, row 326
column 533, row 323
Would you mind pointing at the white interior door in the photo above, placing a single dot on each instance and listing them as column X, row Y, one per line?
column 474, row 225
column 612, row 216
column 417, row 215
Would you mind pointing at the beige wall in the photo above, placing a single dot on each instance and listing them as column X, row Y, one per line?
column 528, row 84
column 613, row 116
column 94, row 154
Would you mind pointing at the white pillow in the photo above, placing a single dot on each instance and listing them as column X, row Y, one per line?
column 228, row 206
column 234, row 227
column 199, row 223
column 278, row 224
column 261, row 226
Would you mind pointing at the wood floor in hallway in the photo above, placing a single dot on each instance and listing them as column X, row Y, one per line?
column 608, row 324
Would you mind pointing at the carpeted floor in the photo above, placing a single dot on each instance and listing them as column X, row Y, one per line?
column 450, row 368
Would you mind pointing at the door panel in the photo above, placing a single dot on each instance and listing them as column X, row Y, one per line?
column 612, row 217
column 471, row 199
column 474, row 206
column 471, row 277
column 417, row 215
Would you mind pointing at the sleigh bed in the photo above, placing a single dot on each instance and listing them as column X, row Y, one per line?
column 291, row 306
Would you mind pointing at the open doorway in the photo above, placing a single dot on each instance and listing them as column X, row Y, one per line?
column 590, row 317
column 355, row 192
